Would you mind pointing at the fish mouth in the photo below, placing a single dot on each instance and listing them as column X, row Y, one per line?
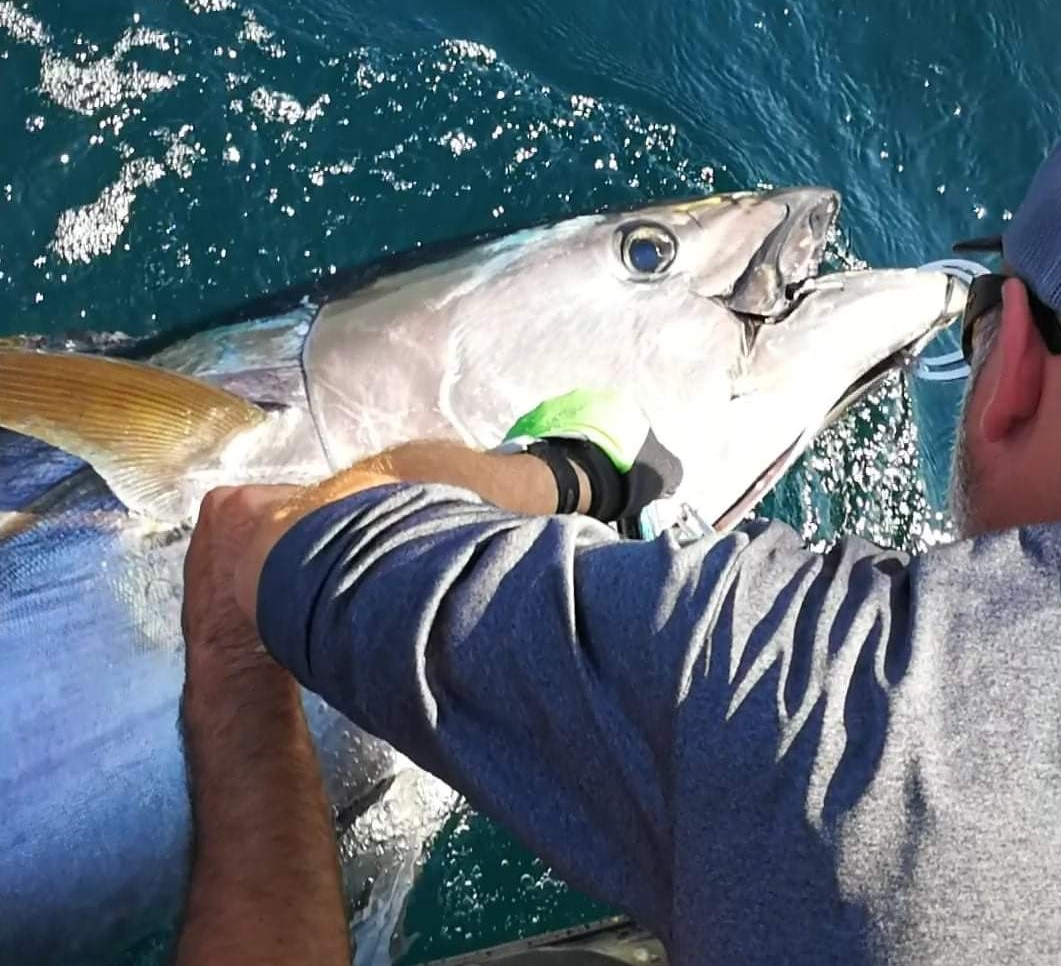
column 790, row 255
column 954, row 298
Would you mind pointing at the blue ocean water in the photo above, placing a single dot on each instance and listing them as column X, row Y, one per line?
column 164, row 159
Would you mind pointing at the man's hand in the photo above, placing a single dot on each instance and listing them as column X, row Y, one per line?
column 222, row 643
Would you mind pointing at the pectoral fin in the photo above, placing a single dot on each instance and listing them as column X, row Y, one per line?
column 144, row 430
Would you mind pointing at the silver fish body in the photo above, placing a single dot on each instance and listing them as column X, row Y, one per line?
column 702, row 310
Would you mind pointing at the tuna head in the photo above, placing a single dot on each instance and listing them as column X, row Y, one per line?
column 704, row 310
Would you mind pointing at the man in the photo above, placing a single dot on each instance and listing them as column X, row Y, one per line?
column 763, row 754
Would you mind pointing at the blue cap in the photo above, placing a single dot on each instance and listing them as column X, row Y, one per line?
column 1032, row 246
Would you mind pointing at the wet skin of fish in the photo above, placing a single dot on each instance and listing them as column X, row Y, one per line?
column 708, row 311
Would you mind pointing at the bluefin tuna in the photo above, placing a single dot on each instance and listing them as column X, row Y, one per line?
column 710, row 312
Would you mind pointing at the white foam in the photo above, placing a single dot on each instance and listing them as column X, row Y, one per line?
column 21, row 26
column 254, row 32
column 87, row 87
column 210, row 6
column 866, row 470
column 319, row 173
column 182, row 156
column 469, row 50
column 283, row 108
column 458, row 142
column 94, row 229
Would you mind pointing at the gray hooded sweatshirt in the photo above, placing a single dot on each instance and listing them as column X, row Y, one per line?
column 764, row 755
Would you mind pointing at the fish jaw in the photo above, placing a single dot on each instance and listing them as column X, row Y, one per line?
column 753, row 251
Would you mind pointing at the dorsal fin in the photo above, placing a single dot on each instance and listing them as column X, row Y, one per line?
column 144, row 430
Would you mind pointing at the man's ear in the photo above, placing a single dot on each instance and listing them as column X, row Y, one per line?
column 1019, row 370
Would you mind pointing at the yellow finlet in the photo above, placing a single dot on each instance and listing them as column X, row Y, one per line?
column 14, row 523
column 141, row 428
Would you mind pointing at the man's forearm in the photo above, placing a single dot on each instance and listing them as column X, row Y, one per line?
column 516, row 483
column 266, row 887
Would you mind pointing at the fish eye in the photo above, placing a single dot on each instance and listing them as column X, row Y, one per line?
column 648, row 250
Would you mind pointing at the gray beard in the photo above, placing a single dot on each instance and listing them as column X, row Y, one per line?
column 962, row 482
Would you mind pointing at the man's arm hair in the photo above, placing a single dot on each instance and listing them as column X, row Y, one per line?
column 265, row 884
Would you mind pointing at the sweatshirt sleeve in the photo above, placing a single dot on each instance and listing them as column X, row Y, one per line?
column 540, row 665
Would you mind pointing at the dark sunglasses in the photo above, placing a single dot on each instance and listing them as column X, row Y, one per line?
column 985, row 293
